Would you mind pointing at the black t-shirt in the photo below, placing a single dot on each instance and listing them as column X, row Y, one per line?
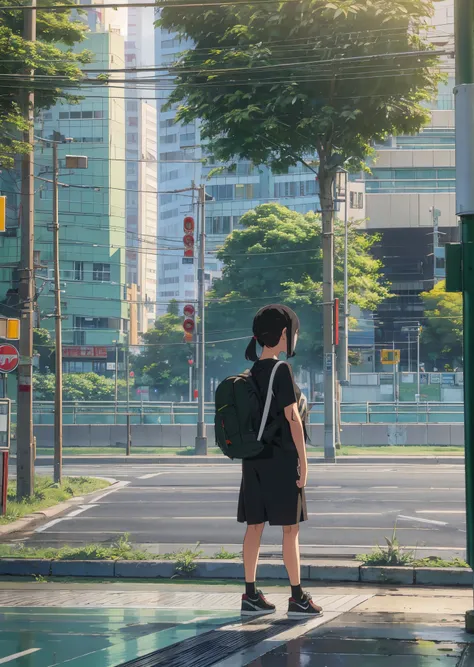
column 285, row 392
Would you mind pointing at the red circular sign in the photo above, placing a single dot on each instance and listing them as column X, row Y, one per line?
column 188, row 325
column 188, row 310
column 190, row 362
column 132, row 374
column 9, row 358
column 188, row 224
column 188, row 240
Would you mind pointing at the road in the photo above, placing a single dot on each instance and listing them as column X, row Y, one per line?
column 351, row 509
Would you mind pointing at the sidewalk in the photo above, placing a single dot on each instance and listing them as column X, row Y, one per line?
column 198, row 625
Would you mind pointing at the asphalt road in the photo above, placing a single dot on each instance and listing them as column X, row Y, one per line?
column 351, row 509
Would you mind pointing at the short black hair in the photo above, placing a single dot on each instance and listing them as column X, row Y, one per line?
column 268, row 325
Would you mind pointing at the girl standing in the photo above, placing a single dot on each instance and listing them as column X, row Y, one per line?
column 273, row 482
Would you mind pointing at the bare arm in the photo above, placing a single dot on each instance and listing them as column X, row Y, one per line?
column 296, row 427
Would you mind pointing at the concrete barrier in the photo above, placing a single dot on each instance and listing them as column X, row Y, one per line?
column 183, row 435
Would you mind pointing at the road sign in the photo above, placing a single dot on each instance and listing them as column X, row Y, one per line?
column 188, row 260
column 390, row 357
column 132, row 374
column 191, row 362
column 189, row 310
column 9, row 358
column 188, row 240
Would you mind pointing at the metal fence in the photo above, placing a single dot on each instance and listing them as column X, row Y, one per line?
column 186, row 413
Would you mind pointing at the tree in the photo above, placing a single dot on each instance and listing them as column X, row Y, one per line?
column 173, row 307
column 78, row 387
column 165, row 359
column 277, row 257
column 441, row 337
column 44, row 346
column 56, row 68
column 275, row 82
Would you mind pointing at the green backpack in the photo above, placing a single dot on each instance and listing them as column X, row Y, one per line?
column 241, row 417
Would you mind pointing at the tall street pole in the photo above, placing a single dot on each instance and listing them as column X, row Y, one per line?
column 418, row 358
column 464, row 96
column 344, row 342
column 116, row 379
column 58, row 394
column 24, row 461
column 201, row 439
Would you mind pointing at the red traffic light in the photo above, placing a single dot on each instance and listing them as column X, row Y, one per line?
column 191, row 362
column 188, row 325
column 196, row 393
column 188, row 310
column 188, row 224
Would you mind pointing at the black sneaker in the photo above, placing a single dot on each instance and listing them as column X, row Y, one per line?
column 304, row 607
column 257, row 605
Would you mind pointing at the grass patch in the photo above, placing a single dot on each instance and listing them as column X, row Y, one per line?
column 436, row 561
column 48, row 494
column 225, row 555
column 215, row 451
column 120, row 451
column 122, row 549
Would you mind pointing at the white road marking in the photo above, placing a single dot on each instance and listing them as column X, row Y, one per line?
column 83, row 508
column 153, row 474
column 418, row 519
column 328, row 487
column 14, row 656
column 384, row 487
column 441, row 511
column 117, row 487
column 48, row 525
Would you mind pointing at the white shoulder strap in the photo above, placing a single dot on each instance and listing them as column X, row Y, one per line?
column 268, row 400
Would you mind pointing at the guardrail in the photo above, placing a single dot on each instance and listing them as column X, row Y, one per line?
column 104, row 412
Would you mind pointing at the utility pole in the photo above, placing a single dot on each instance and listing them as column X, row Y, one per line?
column 58, row 393
column 418, row 357
column 116, row 379
column 464, row 96
column 201, row 439
column 344, row 342
column 25, row 463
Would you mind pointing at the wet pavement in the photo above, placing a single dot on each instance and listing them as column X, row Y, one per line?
column 195, row 625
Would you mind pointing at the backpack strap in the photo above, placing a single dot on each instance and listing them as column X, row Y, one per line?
column 268, row 400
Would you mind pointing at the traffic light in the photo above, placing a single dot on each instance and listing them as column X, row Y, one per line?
column 3, row 214
column 9, row 328
column 390, row 356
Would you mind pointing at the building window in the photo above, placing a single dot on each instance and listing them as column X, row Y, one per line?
column 356, row 200
column 78, row 270
column 133, row 121
column 87, row 114
column 132, row 138
column 101, row 272
column 219, row 224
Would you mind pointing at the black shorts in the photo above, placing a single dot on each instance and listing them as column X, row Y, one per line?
column 268, row 491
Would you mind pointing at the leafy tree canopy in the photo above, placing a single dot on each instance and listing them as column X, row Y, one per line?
column 442, row 333
column 78, row 387
column 274, row 82
column 164, row 359
column 277, row 258
column 56, row 67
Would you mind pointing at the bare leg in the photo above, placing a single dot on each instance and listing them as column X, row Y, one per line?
column 291, row 553
column 251, row 551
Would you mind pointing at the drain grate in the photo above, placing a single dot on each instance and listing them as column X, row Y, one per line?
column 213, row 646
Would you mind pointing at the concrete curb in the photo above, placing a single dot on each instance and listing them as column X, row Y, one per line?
column 321, row 571
column 223, row 460
column 33, row 519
